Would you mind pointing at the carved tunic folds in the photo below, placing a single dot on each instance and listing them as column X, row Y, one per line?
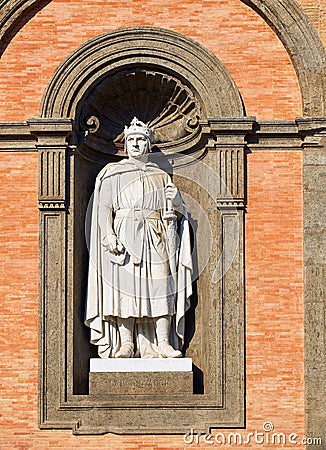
column 129, row 202
column 138, row 283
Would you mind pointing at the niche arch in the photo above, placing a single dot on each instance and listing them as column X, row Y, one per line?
column 196, row 106
column 144, row 47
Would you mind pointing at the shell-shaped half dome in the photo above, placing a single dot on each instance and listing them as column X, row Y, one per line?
column 159, row 100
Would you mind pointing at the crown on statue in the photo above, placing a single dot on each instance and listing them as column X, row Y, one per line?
column 139, row 127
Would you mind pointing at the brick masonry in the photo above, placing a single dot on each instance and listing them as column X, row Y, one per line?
column 240, row 38
column 274, row 297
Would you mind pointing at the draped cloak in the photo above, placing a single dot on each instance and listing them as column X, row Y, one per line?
column 152, row 278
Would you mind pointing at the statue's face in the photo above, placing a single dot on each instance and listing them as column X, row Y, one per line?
column 137, row 145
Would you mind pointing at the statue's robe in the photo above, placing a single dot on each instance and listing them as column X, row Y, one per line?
column 152, row 278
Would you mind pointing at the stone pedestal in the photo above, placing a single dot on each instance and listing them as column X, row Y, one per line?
column 140, row 376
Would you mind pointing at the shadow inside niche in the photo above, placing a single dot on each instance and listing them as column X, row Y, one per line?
column 198, row 380
column 19, row 22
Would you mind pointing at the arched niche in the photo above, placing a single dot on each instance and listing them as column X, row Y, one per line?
column 189, row 97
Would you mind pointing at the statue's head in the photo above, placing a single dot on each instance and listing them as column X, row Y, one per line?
column 138, row 138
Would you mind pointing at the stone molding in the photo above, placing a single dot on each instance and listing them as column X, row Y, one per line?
column 256, row 135
column 142, row 47
column 11, row 11
column 14, row 14
column 274, row 135
column 16, row 137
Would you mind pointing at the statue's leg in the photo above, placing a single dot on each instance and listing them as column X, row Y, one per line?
column 165, row 350
column 126, row 330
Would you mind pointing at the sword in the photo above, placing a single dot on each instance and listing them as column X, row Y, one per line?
column 171, row 218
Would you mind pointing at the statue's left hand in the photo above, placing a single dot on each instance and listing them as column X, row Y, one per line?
column 172, row 193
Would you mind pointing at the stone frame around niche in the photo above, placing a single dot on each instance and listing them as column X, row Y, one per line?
column 220, row 348
column 301, row 41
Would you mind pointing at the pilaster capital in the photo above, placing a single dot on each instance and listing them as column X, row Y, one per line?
column 311, row 130
column 230, row 132
column 54, row 132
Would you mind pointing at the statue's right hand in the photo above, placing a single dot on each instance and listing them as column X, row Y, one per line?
column 114, row 245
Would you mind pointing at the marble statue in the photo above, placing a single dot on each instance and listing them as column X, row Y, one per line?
column 140, row 266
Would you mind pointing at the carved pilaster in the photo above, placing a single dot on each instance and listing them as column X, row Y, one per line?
column 53, row 195
column 313, row 134
column 228, row 144
column 52, row 144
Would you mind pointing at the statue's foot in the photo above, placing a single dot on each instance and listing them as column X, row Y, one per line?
column 126, row 351
column 165, row 350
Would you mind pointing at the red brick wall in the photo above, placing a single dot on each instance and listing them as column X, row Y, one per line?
column 274, row 290
column 274, row 324
column 240, row 38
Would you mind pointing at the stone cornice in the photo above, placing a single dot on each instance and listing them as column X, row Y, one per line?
column 16, row 136
column 256, row 135
column 274, row 135
column 313, row 132
column 311, row 124
column 55, row 131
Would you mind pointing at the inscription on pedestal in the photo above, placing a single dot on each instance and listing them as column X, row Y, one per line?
column 128, row 383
